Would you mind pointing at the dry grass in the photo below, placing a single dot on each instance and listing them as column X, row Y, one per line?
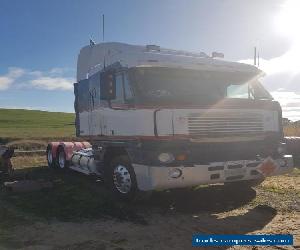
column 27, row 144
column 289, row 183
column 20, row 162
column 291, row 130
column 78, row 209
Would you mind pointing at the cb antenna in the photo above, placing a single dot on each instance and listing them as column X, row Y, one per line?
column 103, row 27
column 254, row 56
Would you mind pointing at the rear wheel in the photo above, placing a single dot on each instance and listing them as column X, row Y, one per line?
column 49, row 155
column 61, row 158
column 121, row 178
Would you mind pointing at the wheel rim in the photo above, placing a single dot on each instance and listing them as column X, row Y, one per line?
column 49, row 157
column 61, row 159
column 122, row 179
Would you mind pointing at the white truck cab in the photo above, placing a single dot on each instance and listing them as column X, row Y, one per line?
column 159, row 119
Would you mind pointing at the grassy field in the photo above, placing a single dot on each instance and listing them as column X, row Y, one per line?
column 78, row 212
column 33, row 124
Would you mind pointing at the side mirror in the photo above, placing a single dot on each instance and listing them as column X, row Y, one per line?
column 108, row 86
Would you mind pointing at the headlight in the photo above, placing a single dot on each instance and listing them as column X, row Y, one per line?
column 166, row 157
column 281, row 148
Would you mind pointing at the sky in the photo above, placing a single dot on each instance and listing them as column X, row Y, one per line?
column 40, row 41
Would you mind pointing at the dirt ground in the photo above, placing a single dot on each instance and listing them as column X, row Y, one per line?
column 77, row 214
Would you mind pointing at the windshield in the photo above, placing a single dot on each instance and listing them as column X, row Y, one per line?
column 169, row 85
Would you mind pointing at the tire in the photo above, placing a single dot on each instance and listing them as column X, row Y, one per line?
column 62, row 162
column 121, row 178
column 49, row 156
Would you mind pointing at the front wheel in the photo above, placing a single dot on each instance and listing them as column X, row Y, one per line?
column 121, row 178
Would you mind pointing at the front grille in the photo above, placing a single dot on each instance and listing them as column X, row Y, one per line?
column 233, row 123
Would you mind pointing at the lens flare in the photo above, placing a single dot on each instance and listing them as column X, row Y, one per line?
column 288, row 19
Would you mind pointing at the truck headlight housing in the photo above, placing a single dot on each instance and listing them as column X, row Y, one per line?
column 166, row 157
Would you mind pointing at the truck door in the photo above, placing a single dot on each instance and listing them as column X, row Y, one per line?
column 81, row 107
column 94, row 104
column 109, row 115
column 115, row 118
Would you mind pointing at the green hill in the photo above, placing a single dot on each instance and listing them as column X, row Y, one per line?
column 35, row 124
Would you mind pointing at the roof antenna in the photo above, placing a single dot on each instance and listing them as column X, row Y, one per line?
column 102, row 27
column 103, row 39
column 254, row 56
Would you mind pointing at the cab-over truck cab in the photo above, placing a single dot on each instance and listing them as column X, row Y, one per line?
column 161, row 119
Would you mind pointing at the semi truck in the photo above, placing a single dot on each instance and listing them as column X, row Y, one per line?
column 151, row 118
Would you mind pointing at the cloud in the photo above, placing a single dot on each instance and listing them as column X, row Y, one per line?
column 288, row 62
column 53, row 83
column 54, row 79
column 7, row 80
column 290, row 103
column 282, row 79
column 60, row 71
column 15, row 73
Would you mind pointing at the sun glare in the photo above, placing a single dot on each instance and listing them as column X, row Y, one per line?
column 287, row 22
column 288, row 19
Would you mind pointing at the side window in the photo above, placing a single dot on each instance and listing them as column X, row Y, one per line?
column 127, row 89
column 239, row 91
column 119, row 90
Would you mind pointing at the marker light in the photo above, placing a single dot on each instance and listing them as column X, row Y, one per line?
column 181, row 157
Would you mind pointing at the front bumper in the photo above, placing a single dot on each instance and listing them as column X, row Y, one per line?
column 159, row 177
